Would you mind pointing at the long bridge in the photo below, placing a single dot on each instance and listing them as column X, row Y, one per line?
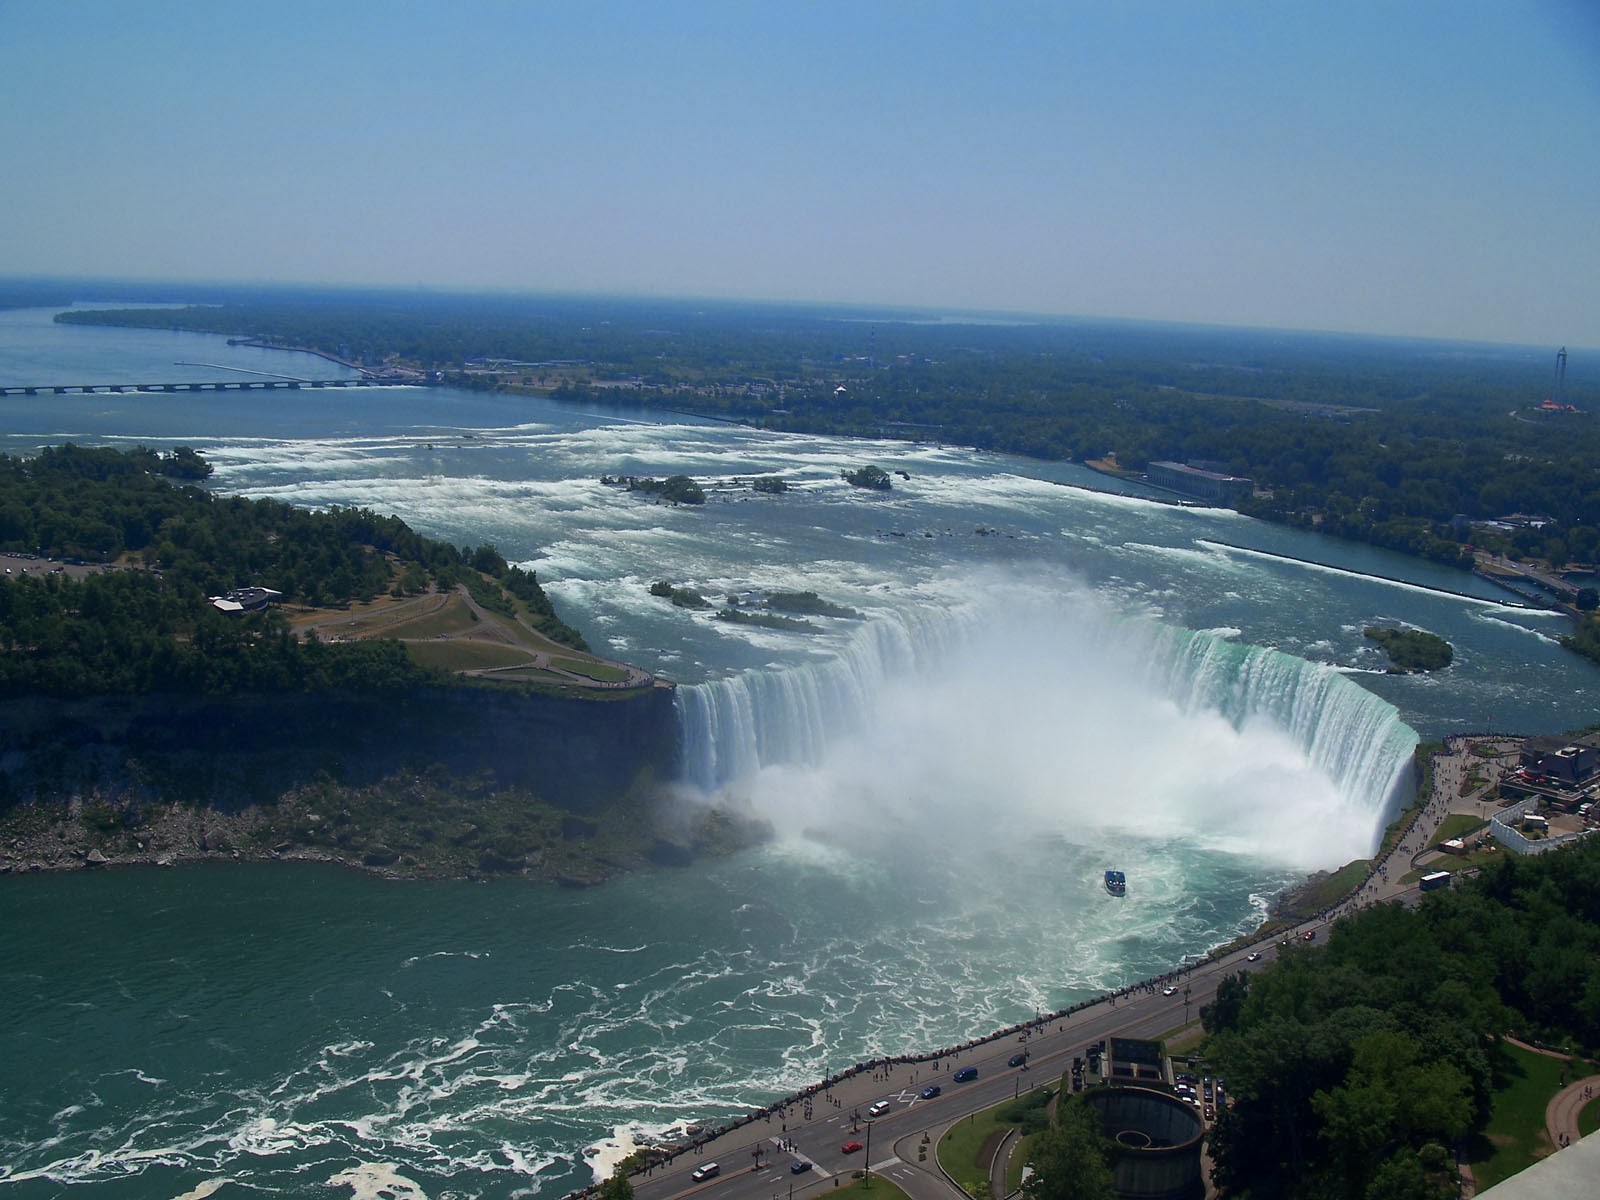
column 224, row 385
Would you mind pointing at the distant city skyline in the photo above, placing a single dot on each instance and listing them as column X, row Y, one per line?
column 1416, row 169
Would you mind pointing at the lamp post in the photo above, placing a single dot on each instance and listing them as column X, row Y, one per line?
column 866, row 1165
column 1186, row 1004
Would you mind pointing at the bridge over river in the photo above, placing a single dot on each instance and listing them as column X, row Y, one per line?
column 223, row 385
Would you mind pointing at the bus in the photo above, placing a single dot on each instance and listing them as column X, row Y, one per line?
column 1438, row 879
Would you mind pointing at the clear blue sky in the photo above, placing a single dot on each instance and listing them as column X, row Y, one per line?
column 1427, row 168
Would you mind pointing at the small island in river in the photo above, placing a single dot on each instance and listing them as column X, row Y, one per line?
column 1412, row 650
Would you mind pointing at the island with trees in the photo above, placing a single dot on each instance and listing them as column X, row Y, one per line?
column 380, row 699
column 1412, row 650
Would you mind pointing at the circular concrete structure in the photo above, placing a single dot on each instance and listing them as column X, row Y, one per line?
column 1157, row 1138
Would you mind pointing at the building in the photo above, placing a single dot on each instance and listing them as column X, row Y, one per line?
column 1193, row 481
column 1559, row 763
column 250, row 599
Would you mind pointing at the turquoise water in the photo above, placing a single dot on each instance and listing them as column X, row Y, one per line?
column 1044, row 681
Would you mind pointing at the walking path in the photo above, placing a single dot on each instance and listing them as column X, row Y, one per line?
column 1561, row 1114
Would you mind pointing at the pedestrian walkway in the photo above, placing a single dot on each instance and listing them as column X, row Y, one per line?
column 1561, row 1114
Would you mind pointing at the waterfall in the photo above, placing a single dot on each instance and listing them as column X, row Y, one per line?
column 731, row 728
column 1347, row 733
column 1065, row 672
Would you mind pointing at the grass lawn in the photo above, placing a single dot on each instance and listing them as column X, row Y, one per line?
column 1456, row 825
column 1515, row 1137
column 963, row 1143
column 1329, row 891
column 1456, row 862
column 857, row 1189
column 967, row 1146
column 461, row 655
column 1589, row 1117
column 453, row 617
column 590, row 669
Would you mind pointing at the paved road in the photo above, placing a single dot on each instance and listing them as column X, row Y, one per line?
column 897, row 1139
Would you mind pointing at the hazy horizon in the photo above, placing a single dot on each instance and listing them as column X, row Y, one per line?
column 1414, row 170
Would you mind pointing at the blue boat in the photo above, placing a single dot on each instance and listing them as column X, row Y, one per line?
column 1116, row 883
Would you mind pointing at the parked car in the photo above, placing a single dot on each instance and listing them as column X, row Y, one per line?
column 932, row 1090
column 849, row 1147
column 965, row 1074
column 705, row 1171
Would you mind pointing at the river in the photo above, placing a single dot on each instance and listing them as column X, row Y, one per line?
column 1047, row 674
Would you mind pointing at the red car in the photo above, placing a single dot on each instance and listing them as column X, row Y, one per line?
column 849, row 1147
column 1311, row 935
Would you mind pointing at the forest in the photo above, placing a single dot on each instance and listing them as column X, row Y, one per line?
column 1360, row 1067
column 148, row 626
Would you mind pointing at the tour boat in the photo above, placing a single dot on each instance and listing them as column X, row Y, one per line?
column 1116, row 883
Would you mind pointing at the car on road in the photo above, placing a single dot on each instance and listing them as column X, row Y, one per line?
column 1016, row 1060
column 1253, row 956
column 1310, row 935
column 799, row 1167
column 1169, row 991
column 878, row 1109
column 965, row 1074
column 705, row 1171
column 849, row 1147
column 932, row 1090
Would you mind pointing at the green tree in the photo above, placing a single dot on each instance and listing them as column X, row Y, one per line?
column 1071, row 1158
column 618, row 1187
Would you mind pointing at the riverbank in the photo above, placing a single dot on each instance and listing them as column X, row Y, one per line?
column 410, row 823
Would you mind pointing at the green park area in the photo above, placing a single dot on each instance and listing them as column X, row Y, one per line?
column 969, row 1146
column 1515, row 1135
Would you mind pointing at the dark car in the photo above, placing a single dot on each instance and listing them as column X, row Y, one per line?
column 1016, row 1060
column 932, row 1090
column 849, row 1147
column 799, row 1167
column 965, row 1074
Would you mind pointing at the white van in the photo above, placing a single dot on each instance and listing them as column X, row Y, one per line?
column 705, row 1171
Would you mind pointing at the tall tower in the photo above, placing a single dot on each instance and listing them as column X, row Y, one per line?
column 1560, row 394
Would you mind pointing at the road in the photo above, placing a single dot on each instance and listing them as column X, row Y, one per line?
column 902, row 1141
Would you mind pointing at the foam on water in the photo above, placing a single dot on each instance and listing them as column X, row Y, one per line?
column 934, row 715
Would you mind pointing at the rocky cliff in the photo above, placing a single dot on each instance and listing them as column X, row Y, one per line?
column 230, row 752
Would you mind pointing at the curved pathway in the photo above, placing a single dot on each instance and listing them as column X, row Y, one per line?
column 1561, row 1114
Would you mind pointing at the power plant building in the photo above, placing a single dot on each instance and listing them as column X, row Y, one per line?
column 1204, row 485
